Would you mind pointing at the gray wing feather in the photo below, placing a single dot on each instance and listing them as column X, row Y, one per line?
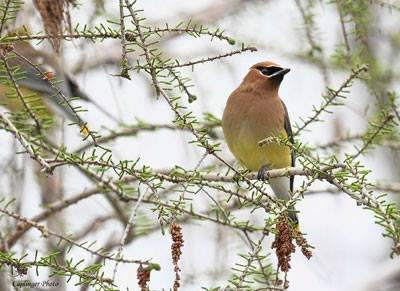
column 33, row 81
column 289, row 132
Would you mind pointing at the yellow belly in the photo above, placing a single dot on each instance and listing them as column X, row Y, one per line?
column 253, row 157
column 35, row 102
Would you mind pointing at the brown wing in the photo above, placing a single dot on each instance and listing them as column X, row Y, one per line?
column 288, row 129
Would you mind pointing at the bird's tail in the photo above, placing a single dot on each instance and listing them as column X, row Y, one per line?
column 281, row 188
column 294, row 218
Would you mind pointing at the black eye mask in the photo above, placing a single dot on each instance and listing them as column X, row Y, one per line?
column 268, row 71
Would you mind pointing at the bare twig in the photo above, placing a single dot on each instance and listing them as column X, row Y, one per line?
column 128, row 228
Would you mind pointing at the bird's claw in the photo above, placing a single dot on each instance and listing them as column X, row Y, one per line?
column 261, row 173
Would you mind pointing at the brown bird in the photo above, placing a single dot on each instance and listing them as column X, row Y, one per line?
column 253, row 112
column 46, row 101
column 32, row 83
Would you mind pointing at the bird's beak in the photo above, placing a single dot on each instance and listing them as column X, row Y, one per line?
column 280, row 73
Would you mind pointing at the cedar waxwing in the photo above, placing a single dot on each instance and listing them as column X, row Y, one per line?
column 253, row 112
column 50, row 100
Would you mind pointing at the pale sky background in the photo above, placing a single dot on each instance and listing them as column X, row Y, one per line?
column 349, row 246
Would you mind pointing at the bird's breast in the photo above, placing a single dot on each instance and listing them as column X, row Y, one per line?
column 247, row 121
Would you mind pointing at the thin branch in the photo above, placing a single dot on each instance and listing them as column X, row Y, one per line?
column 310, row 30
column 371, row 138
column 20, row 94
column 5, row 11
column 82, row 124
column 46, row 232
column 202, row 61
column 125, row 65
column 125, row 235
column 143, row 44
column 51, row 209
column 128, row 131
column 26, row 145
column 343, row 29
column 251, row 257
column 391, row 4
column 331, row 96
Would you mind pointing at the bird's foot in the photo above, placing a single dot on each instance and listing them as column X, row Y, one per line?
column 261, row 173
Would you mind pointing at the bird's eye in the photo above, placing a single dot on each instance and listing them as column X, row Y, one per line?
column 263, row 70
column 268, row 71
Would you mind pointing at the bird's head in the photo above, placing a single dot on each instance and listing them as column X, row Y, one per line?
column 265, row 76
